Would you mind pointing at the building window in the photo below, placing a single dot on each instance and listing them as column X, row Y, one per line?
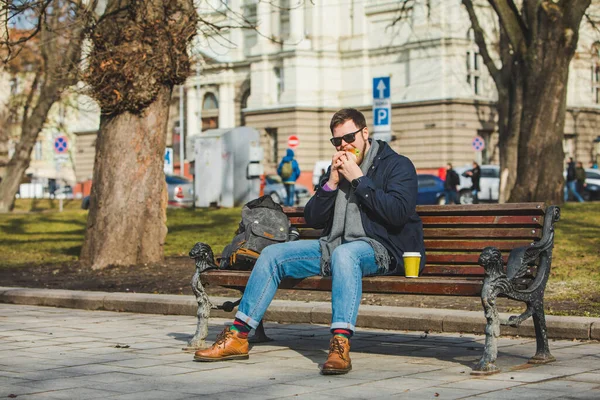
column 279, row 81
column 272, row 144
column 595, row 69
column 569, row 145
column 243, row 105
column 473, row 59
column 284, row 19
column 210, row 112
column 249, row 13
column 210, row 102
column 14, row 86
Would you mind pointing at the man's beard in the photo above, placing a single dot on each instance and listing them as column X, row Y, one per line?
column 361, row 156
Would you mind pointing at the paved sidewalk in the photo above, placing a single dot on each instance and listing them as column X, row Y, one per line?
column 52, row 353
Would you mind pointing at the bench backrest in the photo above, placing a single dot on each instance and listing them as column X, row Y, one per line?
column 455, row 235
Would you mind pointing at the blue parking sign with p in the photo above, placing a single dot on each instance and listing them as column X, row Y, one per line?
column 381, row 116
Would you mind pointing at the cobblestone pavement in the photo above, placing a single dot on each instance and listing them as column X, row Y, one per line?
column 52, row 353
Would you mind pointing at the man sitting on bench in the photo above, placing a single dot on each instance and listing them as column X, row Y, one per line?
column 366, row 205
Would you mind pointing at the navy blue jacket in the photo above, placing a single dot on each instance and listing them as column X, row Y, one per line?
column 387, row 198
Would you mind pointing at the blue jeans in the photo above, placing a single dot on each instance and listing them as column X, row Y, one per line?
column 290, row 191
column 301, row 259
column 451, row 196
column 571, row 186
column 475, row 192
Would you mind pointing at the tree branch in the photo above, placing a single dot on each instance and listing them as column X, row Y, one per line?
column 512, row 22
column 480, row 40
column 575, row 11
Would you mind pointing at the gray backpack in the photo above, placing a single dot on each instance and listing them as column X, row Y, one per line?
column 263, row 223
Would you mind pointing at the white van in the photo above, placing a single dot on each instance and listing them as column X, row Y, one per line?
column 319, row 165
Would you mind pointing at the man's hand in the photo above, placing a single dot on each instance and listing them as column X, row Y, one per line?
column 334, row 176
column 348, row 167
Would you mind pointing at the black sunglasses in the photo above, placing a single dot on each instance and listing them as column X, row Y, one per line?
column 348, row 138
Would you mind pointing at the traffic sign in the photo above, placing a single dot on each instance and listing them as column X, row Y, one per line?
column 381, row 87
column 382, row 107
column 478, row 143
column 168, row 168
column 61, row 144
column 293, row 141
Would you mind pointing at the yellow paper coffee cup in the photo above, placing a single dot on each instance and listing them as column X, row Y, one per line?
column 412, row 260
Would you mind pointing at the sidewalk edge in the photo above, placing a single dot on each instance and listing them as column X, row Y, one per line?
column 283, row 311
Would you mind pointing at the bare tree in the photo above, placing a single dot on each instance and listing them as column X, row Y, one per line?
column 537, row 43
column 60, row 27
column 139, row 52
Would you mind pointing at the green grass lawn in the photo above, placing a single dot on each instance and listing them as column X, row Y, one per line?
column 49, row 237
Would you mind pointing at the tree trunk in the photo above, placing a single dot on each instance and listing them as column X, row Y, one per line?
column 539, row 174
column 30, row 129
column 546, row 73
column 139, row 53
column 127, row 220
column 510, row 109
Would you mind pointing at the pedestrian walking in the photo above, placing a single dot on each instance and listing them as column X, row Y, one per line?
column 451, row 185
column 475, row 175
column 289, row 171
column 580, row 178
column 571, row 185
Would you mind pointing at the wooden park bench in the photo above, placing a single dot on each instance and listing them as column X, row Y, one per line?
column 467, row 254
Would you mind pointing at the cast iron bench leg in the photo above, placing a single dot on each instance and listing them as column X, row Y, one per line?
column 542, row 354
column 486, row 365
column 203, row 314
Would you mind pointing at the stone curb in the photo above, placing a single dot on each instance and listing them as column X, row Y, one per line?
column 380, row 317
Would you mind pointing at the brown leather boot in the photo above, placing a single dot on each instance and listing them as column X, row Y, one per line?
column 228, row 346
column 338, row 362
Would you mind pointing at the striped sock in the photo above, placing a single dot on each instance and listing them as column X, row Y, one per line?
column 347, row 333
column 241, row 327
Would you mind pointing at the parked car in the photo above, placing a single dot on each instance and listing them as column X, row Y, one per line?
column 592, row 180
column 489, row 184
column 64, row 192
column 275, row 188
column 180, row 189
column 431, row 190
column 592, row 189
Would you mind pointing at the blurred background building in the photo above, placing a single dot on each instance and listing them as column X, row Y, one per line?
column 307, row 59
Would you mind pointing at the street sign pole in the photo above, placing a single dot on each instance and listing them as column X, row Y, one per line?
column 382, row 109
column 181, row 130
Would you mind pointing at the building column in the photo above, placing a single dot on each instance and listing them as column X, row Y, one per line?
column 227, row 101
column 192, row 123
column 261, row 81
column 296, row 38
column 264, row 44
column 236, row 35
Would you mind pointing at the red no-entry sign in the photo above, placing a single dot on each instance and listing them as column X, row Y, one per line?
column 293, row 141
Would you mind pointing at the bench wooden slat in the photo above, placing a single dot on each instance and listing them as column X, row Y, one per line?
column 460, row 270
column 479, row 245
column 463, row 286
column 456, row 258
column 484, row 209
column 491, row 220
column 472, row 233
column 528, row 234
